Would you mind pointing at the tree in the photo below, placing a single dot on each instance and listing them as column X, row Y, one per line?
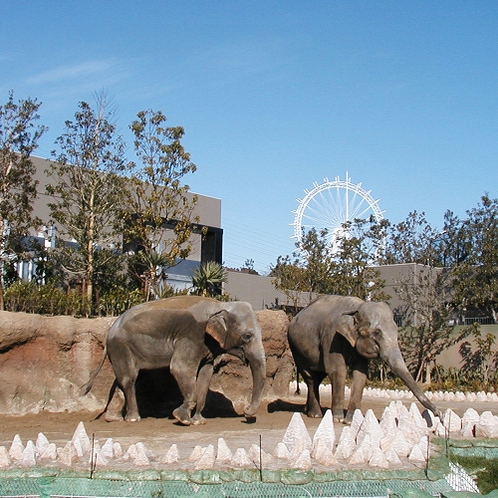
column 359, row 248
column 345, row 269
column 18, row 189
column 208, row 278
column 158, row 199
column 479, row 360
column 476, row 275
column 430, row 319
column 88, row 191
column 409, row 241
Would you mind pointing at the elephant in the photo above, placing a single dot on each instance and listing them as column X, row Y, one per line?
column 336, row 332
column 185, row 333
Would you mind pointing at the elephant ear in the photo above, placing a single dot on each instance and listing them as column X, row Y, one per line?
column 347, row 328
column 217, row 327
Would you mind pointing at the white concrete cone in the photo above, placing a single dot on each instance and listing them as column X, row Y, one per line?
column 323, row 453
column 370, row 427
column 297, row 437
column 346, row 446
column 358, row 456
column 417, row 417
column 470, row 415
column 388, row 422
column 423, row 444
column 50, row 452
column 172, row 455
column 16, row 448
column 392, row 457
column 67, row 454
column 117, row 450
column 400, row 445
column 378, row 459
column 141, row 447
column 256, row 454
column 367, row 445
column 82, row 435
column 99, row 460
column 207, row 459
column 303, row 461
column 282, row 452
column 29, row 454
column 452, row 421
column 241, row 459
column 131, row 452
column 356, row 422
column 5, row 460
column 486, row 427
column 196, row 453
column 409, row 428
column 224, row 453
column 41, row 442
column 142, row 458
column 107, row 449
column 325, row 434
column 78, row 446
column 416, row 455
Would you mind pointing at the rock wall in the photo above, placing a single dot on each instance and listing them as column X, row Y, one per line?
column 45, row 360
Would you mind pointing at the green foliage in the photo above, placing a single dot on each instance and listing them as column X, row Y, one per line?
column 476, row 277
column 345, row 269
column 118, row 300
column 409, row 241
column 208, row 278
column 428, row 316
column 156, row 197
column 88, row 190
column 46, row 299
column 18, row 188
column 483, row 470
column 480, row 360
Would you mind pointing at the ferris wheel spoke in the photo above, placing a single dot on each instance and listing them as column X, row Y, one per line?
column 331, row 204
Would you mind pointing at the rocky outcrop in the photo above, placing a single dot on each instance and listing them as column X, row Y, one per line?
column 45, row 360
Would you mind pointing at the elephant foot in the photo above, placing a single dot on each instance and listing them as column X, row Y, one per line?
column 198, row 420
column 132, row 418
column 113, row 417
column 315, row 412
column 182, row 415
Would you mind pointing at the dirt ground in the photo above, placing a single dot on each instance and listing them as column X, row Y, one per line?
column 159, row 433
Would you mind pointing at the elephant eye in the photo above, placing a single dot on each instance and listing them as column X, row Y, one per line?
column 246, row 337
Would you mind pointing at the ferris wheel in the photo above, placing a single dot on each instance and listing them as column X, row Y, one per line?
column 331, row 204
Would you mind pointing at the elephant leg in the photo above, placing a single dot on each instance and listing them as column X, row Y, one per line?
column 360, row 369
column 337, row 371
column 313, row 381
column 126, row 376
column 184, row 367
column 202, row 388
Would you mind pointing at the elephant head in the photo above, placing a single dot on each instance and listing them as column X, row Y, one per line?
column 237, row 331
column 371, row 330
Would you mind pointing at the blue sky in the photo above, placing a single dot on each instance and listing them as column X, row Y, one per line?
column 276, row 95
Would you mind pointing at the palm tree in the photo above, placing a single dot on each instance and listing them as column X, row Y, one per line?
column 208, row 278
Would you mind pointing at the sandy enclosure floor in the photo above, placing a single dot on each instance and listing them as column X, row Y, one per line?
column 159, row 434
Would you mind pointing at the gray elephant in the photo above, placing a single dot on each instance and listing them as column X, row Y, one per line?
column 335, row 333
column 184, row 333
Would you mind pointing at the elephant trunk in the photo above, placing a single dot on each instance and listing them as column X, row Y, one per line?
column 398, row 366
column 257, row 362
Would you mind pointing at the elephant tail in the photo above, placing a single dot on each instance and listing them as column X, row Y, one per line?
column 85, row 389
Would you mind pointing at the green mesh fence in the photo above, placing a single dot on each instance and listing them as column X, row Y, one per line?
column 85, row 487
column 420, row 483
